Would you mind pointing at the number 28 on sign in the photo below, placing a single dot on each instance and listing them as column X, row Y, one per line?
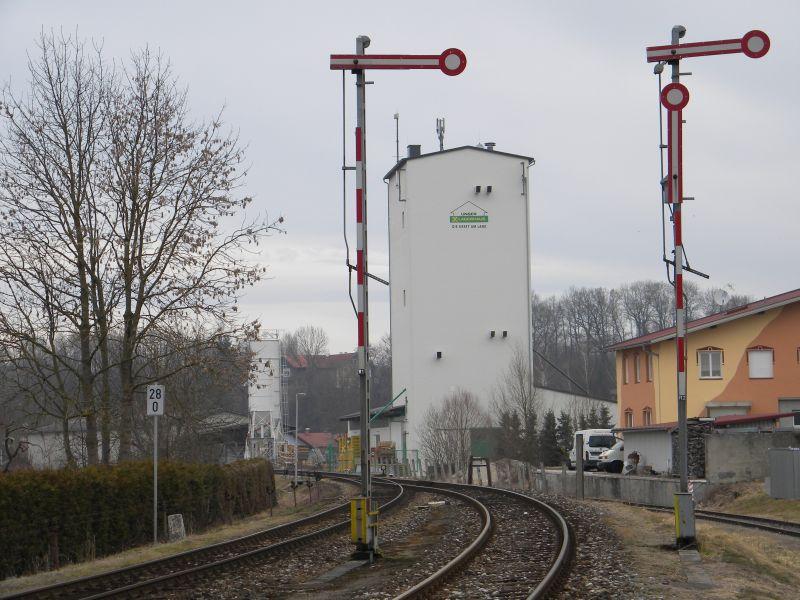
column 155, row 400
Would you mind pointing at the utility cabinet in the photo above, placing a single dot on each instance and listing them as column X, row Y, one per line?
column 784, row 473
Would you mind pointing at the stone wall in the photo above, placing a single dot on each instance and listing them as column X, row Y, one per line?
column 742, row 456
column 697, row 432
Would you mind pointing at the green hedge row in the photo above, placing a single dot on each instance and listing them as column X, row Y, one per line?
column 101, row 510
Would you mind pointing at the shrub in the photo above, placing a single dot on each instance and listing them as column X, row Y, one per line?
column 101, row 510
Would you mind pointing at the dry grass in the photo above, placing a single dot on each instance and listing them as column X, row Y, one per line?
column 764, row 556
column 741, row 563
column 750, row 499
column 285, row 511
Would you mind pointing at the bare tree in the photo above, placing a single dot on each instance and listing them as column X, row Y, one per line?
column 381, row 361
column 516, row 405
column 445, row 430
column 515, row 392
column 289, row 344
column 53, row 139
column 312, row 342
column 172, row 183
column 637, row 306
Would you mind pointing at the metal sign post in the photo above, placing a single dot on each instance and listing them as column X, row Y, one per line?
column 450, row 62
column 675, row 97
column 155, row 406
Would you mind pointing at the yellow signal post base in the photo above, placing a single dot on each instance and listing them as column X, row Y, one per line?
column 364, row 528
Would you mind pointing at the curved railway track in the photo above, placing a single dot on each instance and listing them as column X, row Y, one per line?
column 144, row 579
column 529, row 548
column 526, row 561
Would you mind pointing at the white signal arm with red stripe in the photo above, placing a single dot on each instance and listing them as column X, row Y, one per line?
column 450, row 62
column 754, row 44
column 675, row 97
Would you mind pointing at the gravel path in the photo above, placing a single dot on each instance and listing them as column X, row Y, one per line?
column 599, row 569
column 417, row 541
column 280, row 576
column 413, row 548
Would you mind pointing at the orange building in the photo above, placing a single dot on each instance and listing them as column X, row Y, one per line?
column 742, row 361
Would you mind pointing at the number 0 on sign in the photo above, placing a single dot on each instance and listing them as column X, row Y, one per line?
column 155, row 400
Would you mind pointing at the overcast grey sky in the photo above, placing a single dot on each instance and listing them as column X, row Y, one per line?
column 565, row 82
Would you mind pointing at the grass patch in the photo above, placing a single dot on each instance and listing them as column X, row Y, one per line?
column 749, row 593
column 750, row 499
column 755, row 553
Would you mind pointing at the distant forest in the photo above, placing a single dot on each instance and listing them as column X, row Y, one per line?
column 572, row 330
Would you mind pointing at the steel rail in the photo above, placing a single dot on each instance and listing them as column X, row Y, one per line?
column 559, row 569
column 200, row 572
column 77, row 588
column 439, row 577
column 790, row 528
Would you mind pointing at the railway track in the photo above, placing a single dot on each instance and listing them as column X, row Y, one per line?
column 770, row 525
column 143, row 580
column 529, row 543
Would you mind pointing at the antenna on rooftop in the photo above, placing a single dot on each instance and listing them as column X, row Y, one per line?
column 397, row 137
column 440, row 132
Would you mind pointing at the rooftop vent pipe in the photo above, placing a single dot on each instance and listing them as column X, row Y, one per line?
column 414, row 150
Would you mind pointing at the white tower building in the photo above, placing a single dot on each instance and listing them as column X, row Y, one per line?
column 459, row 250
column 264, row 398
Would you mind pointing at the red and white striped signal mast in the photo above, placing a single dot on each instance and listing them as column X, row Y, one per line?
column 450, row 62
column 675, row 97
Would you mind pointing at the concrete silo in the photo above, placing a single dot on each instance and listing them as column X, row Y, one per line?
column 459, row 251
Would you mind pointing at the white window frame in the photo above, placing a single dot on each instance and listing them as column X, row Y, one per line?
column 628, row 418
column 708, row 352
column 624, row 369
column 770, row 362
column 649, row 366
column 637, row 368
column 647, row 416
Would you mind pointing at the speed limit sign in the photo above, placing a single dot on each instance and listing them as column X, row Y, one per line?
column 155, row 400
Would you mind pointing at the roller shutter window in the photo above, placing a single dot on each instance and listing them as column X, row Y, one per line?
column 760, row 363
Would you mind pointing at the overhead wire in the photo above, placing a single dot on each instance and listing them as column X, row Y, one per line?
column 664, row 205
column 344, row 199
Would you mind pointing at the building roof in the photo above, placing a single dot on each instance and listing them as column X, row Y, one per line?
column 223, row 421
column 732, row 314
column 395, row 411
column 403, row 161
column 720, row 422
column 316, row 439
column 321, row 361
column 537, row 386
column 726, row 420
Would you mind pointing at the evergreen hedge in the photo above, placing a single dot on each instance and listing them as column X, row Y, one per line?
column 101, row 510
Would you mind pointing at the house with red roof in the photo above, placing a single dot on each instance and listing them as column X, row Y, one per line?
column 742, row 361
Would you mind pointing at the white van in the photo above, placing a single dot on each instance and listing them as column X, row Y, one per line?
column 595, row 441
column 613, row 459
